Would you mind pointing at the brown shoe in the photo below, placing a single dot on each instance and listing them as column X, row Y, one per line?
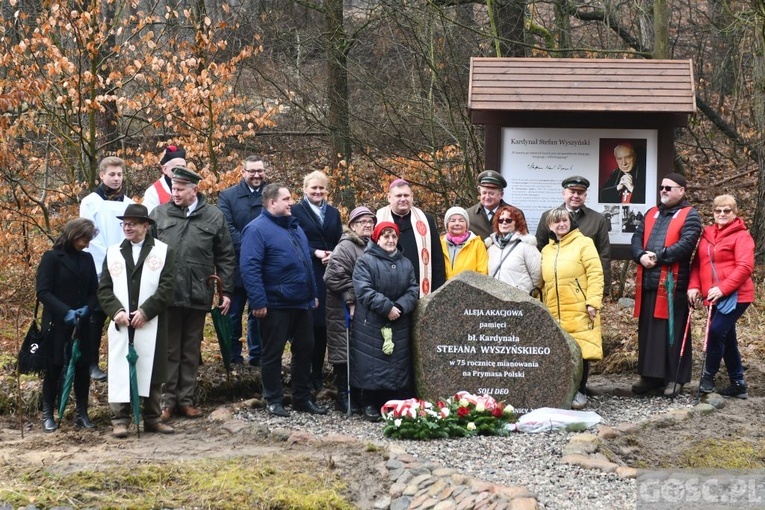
column 189, row 411
column 167, row 413
column 120, row 431
column 158, row 427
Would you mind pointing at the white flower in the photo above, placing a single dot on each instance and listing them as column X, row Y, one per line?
column 479, row 407
column 509, row 409
column 445, row 412
column 397, row 422
column 471, row 426
column 464, row 402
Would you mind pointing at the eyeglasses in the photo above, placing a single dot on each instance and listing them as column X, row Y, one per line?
column 129, row 224
column 668, row 188
column 256, row 171
column 505, row 220
column 365, row 223
column 723, row 211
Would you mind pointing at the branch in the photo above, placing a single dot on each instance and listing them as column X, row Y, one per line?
column 593, row 14
column 727, row 129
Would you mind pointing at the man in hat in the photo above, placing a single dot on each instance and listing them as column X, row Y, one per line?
column 419, row 240
column 662, row 246
column 240, row 204
column 160, row 192
column 277, row 272
column 135, row 290
column 198, row 233
column 102, row 207
column 590, row 223
column 491, row 188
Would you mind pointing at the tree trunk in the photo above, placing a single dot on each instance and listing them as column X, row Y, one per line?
column 758, row 107
column 337, row 46
column 660, row 29
column 510, row 19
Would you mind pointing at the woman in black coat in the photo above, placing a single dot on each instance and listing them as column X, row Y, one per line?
column 323, row 227
column 67, row 287
column 386, row 295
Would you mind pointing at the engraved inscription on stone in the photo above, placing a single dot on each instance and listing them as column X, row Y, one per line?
column 483, row 336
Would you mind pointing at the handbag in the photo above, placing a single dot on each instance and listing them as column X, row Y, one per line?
column 726, row 304
column 33, row 355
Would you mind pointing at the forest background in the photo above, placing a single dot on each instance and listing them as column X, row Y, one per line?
column 363, row 90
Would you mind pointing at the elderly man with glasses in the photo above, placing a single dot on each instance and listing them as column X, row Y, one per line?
column 662, row 246
column 591, row 223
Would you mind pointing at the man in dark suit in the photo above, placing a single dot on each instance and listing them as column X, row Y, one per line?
column 240, row 204
column 491, row 188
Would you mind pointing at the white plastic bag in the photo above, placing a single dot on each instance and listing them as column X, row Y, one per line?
column 546, row 419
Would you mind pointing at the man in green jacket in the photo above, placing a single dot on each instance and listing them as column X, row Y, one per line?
column 198, row 233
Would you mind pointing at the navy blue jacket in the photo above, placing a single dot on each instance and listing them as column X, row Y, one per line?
column 321, row 236
column 275, row 263
column 239, row 206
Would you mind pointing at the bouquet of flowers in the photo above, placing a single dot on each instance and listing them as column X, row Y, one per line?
column 462, row 415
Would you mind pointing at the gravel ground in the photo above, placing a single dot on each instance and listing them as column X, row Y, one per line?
column 530, row 460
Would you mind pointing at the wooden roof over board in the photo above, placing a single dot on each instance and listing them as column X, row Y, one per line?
column 581, row 85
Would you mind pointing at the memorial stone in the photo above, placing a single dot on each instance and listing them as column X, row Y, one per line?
column 483, row 336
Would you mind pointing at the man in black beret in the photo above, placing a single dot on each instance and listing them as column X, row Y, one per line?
column 590, row 223
column 491, row 188
column 160, row 192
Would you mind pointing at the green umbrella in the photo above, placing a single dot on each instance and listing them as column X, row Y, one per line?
column 135, row 398
column 670, row 284
column 222, row 324
column 74, row 357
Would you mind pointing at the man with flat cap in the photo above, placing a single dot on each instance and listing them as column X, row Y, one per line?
column 590, row 223
column 491, row 188
column 198, row 233
column 161, row 191
column 135, row 290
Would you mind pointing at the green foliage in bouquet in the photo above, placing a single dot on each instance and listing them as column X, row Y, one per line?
column 462, row 415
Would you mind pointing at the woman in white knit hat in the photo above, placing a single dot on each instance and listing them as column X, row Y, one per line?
column 463, row 250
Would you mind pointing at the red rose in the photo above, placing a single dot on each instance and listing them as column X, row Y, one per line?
column 462, row 412
column 497, row 412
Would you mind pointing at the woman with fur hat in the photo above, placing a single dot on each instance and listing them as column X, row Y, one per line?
column 341, row 299
column 386, row 295
column 463, row 250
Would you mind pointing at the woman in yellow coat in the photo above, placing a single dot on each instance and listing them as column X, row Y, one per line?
column 463, row 250
column 573, row 289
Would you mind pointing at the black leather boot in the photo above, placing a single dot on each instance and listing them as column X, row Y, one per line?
column 81, row 394
column 81, row 418
column 49, row 391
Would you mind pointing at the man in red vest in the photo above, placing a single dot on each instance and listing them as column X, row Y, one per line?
column 160, row 192
column 662, row 246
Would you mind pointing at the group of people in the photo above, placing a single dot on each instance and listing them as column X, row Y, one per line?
column 345, row 293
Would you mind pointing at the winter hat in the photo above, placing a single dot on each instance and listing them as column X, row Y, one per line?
column 359, row 212
column 679, row 179
column 456, row 210
column 491, row 179
column 172, row 152
column 382, row 226
column 183, row 174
